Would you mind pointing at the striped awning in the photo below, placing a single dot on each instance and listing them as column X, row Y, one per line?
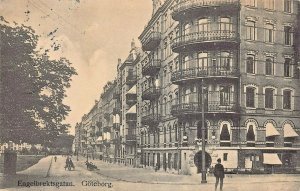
column 271, row 158
column 132, row 90
column 132, row 110
column 288, row 131
column 271, row 130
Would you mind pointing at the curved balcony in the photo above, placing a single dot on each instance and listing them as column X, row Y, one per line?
column 205, row 39
column 195, row 108
column 205, row 72
column 151, row 93
column 151, row 68
column 150, row 119
column 185, row 9
column 151, row 41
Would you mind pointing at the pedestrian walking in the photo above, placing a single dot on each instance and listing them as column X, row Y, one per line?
column 219, row 174
column 55, row 158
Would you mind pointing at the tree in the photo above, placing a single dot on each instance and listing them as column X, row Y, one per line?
column 32, row 87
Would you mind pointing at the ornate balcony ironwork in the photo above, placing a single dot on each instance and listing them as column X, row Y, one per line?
column 151, row 68
column 151, row 119
column 204, row 39
column 131, row 99
column 195, row 108
column 151, row 41
column 190, row 8
column 131, row 79
column 205, row 72
column 151, row 93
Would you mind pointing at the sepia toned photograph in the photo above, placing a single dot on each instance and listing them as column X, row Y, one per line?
column 150, row 95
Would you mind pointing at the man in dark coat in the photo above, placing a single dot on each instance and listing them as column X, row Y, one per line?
column 219, row 174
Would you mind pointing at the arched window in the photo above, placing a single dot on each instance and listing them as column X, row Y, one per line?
column 269, row 66
column 170, row 134
column 176, row 132
column 250, row 136
column 165, row 106
column 225, row 136
column 199, row 130
column 250, row 64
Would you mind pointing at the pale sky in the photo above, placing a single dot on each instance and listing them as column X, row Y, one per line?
column 93, row 34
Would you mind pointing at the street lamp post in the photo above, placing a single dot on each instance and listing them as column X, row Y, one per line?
column 203, row 135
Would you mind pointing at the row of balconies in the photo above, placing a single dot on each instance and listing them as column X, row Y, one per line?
column 195, row 41
column 185, row 9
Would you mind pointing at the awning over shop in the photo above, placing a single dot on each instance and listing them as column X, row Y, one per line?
column 99, row 138
column 288, row 131
column 271, row 158
column 271, row 130
column 132, row 110
column 132, row 90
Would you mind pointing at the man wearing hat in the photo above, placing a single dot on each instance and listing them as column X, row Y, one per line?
column 219, row 174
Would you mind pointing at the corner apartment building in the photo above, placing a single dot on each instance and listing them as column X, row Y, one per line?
column 237, row 60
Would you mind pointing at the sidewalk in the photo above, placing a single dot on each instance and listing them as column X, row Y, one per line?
column 38, row 170
column 141, row 175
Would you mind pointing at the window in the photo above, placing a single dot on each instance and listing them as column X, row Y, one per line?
column 165, row 106
column 288, row 35
column 176, row 132
column 287, row 67
column 251, row 30
column 250, row 133
column 287, row 6
column 225, row 95
column 165, row 135
column 269, row 33
column 250, row 65
column 269, row 4
column 251, row 3
column 225, row 61
column 225, row 135
column 225, row 24
column 187, row 28
column 202, row 60
column 185, row 62
column 269, row 98
column 203, row 25
column 287, row 99
column 269, row 66
column 250, row 97
column 225, row 156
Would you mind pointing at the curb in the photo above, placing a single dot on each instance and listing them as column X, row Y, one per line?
column 48, row 171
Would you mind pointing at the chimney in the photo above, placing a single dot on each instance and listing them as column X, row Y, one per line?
column 132, row 44
column 119, row 61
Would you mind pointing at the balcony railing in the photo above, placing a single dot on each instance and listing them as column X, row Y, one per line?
column 209, row 107
column 131, row 79
column 151, row 68
column 151, row 41
column 202, row 38
column 151, row 119
column 204, row 72
column 151, row 93
column 131, row 99
column 184, row 7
